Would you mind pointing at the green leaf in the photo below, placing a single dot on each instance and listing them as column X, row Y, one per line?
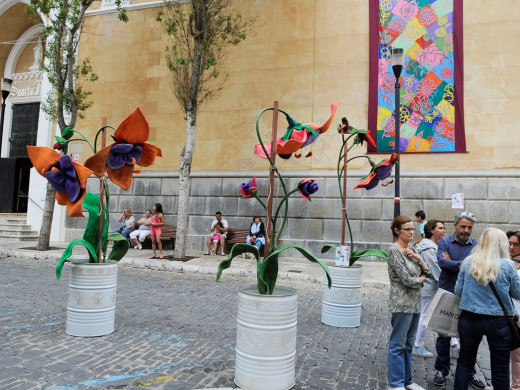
column 91, row 203
column 268, row 270
column 68, row 252
column 120, row 246
column 356, row 255
column 237, row 250
column 61, row 141
column 328, row 247
column 67, row 133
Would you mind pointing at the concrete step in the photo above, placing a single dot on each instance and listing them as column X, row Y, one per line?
column 25, row 237
column 5, row 227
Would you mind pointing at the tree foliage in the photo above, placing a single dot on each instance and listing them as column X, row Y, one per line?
column 198, row 35
column 63, row 21
column 68, row 99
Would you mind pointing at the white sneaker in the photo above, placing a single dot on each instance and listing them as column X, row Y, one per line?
column 139, row 247
column 414, row 386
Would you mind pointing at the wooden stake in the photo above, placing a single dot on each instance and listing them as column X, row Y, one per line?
column 101, row 194
column 344, row 200
column 274, row 136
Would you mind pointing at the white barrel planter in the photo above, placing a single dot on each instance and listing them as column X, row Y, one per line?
column 91, row 308
column 341, row 305
column 266, row 339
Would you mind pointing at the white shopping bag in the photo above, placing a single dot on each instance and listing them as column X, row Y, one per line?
column 443, row 314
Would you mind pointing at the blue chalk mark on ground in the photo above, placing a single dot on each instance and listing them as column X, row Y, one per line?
column 136, row 374
column 28, row 326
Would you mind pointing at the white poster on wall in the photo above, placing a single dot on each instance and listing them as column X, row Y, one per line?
column 457, row 200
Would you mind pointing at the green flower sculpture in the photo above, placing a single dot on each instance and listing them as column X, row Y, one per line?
column 378, row 172
column 267, row 268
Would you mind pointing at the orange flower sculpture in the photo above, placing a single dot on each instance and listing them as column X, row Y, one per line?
column 66, row 176
column 118, row 159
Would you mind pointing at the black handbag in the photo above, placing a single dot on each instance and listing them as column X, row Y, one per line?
column 512, row 320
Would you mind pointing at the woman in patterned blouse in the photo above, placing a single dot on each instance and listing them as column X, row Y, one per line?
column 407, row 272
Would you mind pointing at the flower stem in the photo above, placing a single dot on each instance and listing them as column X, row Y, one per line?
column 85, row 139
column 97, row 135
column 271, row 162
column 284, row 200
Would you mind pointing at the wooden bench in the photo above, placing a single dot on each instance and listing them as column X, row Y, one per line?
column 169, row 234
column 235, row 236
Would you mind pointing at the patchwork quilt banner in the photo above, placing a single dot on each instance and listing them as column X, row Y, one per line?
column 431, row 103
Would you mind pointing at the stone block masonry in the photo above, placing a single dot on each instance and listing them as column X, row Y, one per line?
column 490, row 194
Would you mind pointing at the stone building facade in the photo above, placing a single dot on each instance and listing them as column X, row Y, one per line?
column 306, row 54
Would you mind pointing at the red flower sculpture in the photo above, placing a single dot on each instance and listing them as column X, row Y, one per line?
column 307, row 187
column 118, row 159
column 248, row 188
column 297, row 136
column 65, row 175
column 379, row 172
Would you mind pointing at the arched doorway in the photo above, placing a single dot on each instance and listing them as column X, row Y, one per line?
column 20, row 60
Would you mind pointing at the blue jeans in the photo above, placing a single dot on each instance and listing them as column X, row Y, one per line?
column 471, row 329
column 257, row 243
column 125, row 232
column 404, row 329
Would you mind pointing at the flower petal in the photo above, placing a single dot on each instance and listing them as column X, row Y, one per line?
column 326, row 125
column 42, row 158
column 97, row 162
column 73, row 189
column 122, row 176
column 76, row 209
column 57, row 180
column 134, row 129
column 83, row 172
column 148, row 155
column 365, row 181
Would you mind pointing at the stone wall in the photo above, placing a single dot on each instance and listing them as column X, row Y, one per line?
column 490, row 195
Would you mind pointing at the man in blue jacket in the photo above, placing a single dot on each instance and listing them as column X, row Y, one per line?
column 452, row 251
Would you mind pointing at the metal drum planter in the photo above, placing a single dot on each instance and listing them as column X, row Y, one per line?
column 266, row 339
column 91, row 308
column 341, row 305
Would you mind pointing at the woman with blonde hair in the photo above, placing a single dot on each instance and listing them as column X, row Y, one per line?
column 488, row 265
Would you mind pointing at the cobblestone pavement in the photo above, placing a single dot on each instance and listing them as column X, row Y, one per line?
column 175, row 331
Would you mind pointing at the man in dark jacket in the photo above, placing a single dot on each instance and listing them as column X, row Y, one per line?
column 451, row 253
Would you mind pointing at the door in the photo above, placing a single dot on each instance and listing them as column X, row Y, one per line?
column 24, row 129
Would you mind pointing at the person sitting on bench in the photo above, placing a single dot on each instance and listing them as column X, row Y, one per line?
column 216, row 229
column 138, row 236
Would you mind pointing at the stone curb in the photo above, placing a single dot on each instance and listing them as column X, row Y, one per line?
column 177, row 266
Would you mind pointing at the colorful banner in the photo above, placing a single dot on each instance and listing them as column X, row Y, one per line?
column 431, row 96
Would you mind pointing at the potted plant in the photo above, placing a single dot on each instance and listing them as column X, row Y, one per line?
column 342, row 302
column 267, row 314
column 93, row 281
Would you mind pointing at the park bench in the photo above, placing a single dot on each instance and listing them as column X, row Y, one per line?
column 235, row 236
column 169, row 233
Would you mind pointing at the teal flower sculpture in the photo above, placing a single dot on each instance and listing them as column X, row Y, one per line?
column 267, row 268
column 378, row 172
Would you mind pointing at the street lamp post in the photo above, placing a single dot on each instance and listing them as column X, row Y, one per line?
column 397, row 66
column 6, row 88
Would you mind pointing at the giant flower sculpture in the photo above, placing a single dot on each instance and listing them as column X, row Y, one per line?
column 130, row 148
column 68, row 177
column 267, row 268
column 297, row 136
column 379, row 172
